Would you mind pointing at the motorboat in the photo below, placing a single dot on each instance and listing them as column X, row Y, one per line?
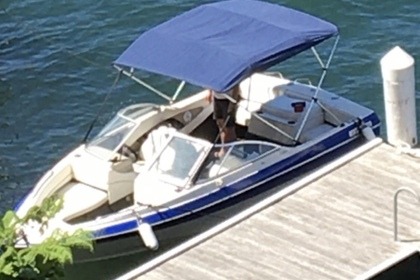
column 153, row 167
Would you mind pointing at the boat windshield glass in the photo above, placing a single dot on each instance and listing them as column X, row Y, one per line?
column 179, row 159
column 236, row 155
column 113, row 135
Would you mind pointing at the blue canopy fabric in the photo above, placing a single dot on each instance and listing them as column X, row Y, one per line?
column 219, row 44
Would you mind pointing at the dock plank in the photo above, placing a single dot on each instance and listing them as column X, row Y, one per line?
column 337, row 227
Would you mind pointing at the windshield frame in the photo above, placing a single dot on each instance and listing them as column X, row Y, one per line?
column 185, row 182
column 122, row 124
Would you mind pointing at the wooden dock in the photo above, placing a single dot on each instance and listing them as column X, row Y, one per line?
column 336, row 227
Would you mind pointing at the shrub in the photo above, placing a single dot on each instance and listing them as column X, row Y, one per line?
column 40, row 261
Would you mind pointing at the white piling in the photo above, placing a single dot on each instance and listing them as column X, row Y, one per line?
column 399, row 96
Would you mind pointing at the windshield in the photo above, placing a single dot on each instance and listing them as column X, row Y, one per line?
column 112, row 136
column 179, row 160
column 236, row 155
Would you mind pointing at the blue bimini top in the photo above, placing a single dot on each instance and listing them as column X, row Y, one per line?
column 218, row 45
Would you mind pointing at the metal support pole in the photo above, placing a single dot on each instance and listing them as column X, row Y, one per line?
column 321, row 80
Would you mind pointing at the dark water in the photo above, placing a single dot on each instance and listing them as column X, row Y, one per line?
column 55, row 71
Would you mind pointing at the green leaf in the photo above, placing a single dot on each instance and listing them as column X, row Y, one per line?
column 27, row 256
column 8, row 269
column 40, row 261
column 6, row 257
column 79, row 239
column 9, row 219
column 8, row 236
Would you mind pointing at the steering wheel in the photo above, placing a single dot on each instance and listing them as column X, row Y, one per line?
column 129, row 152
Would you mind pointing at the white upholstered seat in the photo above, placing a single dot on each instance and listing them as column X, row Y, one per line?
column 80, row 199
column 154, row 141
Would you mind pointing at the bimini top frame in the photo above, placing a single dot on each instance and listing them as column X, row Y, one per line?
column 196, row 47
column 314, row 99
column 199, row 48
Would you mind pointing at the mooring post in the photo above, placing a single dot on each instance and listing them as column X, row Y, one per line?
column 399, row 95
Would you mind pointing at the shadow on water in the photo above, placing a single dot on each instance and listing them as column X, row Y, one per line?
column 112, row 268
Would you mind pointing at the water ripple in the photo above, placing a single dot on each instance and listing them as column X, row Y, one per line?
column 55, row 67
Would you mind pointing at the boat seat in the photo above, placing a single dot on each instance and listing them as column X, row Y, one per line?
column 139, row 166
column 216, row 170
column 244, row 109
column 154, row 142
column 254, row 92
column 79, row 199
column 281, row 113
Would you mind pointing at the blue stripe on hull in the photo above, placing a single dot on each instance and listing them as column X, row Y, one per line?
column 227, row 192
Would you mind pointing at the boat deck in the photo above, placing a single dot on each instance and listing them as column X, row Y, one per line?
column 336, row 227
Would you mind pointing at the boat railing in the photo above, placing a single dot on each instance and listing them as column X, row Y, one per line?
column 398, row 191
column 303, row 81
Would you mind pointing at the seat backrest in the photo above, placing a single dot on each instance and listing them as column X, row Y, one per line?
column 154, row 141
column 257, row 88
